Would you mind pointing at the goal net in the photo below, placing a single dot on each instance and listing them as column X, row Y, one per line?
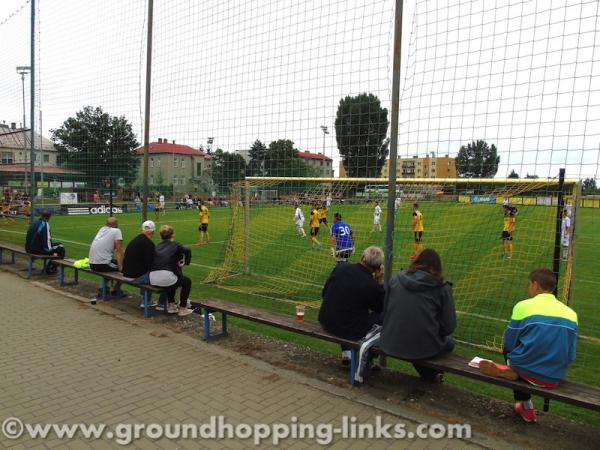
column 269, row 255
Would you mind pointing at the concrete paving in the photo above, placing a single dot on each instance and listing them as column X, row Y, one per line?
column 64, row 361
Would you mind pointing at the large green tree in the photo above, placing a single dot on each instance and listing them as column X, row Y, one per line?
column 513, row 174
column 360, row 130
column 282, row 160
column 588, row 186
column 257, row 153
column 477, row 159
column 227, row 168
column 97, row 144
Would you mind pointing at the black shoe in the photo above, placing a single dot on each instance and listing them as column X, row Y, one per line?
column 374, row 368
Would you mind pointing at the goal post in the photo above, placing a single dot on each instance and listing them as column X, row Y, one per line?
column 266, row 255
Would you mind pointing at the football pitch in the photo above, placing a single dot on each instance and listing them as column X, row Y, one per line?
column 285, row 269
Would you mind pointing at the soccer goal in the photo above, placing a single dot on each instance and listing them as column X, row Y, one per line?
column 465, row 220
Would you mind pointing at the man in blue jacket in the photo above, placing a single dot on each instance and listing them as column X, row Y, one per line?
column 539, row 342
column 39, row 240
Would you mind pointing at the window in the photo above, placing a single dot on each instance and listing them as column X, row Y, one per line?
column 151, row 162
column 198, row 169
column 46, row 158
column 157, row 162
column 175, row 161
column 7, row 158
column 182, row 164
column 175, row 180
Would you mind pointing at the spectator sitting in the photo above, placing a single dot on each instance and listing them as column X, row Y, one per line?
column 109, row 239
column 420, row 316
column 39, row 241
column 140, row 253
column 166, row 271
column 353, row 298
column 539, row 342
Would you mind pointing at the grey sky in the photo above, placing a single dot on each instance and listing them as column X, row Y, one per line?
column 521, row 74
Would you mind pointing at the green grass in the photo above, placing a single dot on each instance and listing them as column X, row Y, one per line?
column 285, row 269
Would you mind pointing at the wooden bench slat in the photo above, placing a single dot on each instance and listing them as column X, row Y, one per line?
column 308, row 328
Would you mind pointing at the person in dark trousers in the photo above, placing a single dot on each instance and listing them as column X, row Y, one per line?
column 539, row 343
column 169, row 257
column 420, row 316
column 139, row 253
column 353, row 298
column 39, row 240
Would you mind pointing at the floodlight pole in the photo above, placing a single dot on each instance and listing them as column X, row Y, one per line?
column 389, row 238
column 32, row 113
column 147, row 110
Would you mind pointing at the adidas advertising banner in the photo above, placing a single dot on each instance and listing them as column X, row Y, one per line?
column 79, row 210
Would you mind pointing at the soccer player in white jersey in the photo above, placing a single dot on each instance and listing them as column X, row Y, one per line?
column 299, row 221
column 377, row 217
column 397, row 204
column 565, row 234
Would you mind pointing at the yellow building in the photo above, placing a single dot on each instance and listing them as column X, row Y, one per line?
column 423, row 167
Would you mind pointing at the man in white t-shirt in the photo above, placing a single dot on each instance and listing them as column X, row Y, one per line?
column 328, row 201
column 299, row 221
column 108, row 240
column 565, row 234
column 377, row 217
column 397, row 204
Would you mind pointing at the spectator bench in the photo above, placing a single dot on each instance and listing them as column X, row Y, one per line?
column 31, row 257
column 577, row 394
column 146, row 289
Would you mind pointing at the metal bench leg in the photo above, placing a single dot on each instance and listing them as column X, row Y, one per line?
column 76, row 276
column 30, row 267
column 147, row 297
column 1, row 260
column 13, row 258
column 353, row 364
column 207, row 335
column 546, row 404
column 104, row 289
column 61, row 276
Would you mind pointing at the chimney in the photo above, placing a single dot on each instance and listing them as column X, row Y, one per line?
column 160, row 140
column 173, row 141
column 13, row 125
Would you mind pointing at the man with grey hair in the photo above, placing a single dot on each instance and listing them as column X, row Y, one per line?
column 353, row 298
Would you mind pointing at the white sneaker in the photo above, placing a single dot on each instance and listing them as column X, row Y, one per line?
column 185, row 312
column 152, row 304
column 189, row 305
column 172, row 308
column 159, row 307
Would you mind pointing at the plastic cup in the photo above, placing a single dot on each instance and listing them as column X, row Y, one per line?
column 300, row 313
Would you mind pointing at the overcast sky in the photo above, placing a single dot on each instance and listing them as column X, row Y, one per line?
column 523, row 75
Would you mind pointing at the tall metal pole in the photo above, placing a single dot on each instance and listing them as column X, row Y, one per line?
column 32, row 113
column 558, row 227
column 389, row 238
column 147, row 109
column 23, row 83
column 41, row 151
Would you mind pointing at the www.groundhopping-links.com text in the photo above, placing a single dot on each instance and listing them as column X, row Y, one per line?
column 218, row 428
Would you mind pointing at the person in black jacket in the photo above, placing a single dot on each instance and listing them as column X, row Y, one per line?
column 353, row 298
column 420, row 316
column 39, row 240
column 139, row 253
column 169, row 257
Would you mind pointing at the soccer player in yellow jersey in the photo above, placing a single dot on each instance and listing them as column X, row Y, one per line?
column 315, row 225
column 203, row 227
column 323, row 215
column 6, row 212
column 510, row 222
column 417, row 226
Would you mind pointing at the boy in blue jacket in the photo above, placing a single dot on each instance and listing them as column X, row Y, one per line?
column 539, row 342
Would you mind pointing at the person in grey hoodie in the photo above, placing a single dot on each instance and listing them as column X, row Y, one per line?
column 419, row 317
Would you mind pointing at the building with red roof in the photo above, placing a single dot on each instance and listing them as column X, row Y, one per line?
column 174, row 164
column 318, row 161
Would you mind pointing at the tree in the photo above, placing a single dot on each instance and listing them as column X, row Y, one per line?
column 531, row 177
column 256, row 166
column 477, row 160
column 227, row 168
column 513, row 174
column 282, row 160
column 588, row 187
column 97, row 144
column 360, row 130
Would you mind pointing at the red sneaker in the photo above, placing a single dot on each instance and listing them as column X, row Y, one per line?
column 528, row 415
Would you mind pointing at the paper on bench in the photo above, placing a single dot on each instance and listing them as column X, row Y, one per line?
column 475, row 362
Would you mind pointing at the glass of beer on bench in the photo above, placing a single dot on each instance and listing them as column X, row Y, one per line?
column 300, row 313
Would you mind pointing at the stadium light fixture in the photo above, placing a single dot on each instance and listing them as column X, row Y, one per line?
column 325, row 131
